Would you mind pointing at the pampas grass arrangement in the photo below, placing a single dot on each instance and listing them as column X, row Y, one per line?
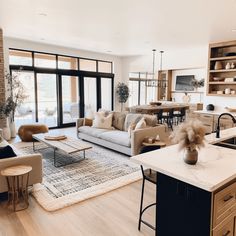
column 189, row 135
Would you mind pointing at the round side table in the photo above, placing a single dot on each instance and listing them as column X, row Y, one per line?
column 17, row 181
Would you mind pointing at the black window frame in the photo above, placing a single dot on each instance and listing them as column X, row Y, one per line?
column 59, row 72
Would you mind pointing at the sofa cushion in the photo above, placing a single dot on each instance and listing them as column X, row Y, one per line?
column 151, row 120
column 6, row 152
column 95, row 132
column 118, row 120
column 101, row 121
column 141, row 124
column 131, row 118
column 117, row 136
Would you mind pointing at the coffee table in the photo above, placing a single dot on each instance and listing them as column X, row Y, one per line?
column 69, row 145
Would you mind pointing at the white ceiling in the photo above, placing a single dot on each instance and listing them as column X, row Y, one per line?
column 120, row 27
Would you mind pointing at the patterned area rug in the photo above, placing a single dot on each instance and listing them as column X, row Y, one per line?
column 101, row 171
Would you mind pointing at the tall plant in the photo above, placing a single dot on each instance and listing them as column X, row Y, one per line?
column 16, row 96
column 123, row 93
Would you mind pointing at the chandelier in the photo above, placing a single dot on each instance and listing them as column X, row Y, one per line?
column 159, row 82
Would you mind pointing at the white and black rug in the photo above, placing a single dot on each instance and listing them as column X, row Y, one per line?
column 101, row 171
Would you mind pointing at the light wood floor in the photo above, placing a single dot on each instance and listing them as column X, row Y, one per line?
column 112, row 214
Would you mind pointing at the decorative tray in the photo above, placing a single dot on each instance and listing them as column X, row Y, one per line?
column 231, row 109
column 55, row 137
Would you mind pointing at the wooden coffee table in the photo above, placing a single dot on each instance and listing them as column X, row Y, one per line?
column 69, row 145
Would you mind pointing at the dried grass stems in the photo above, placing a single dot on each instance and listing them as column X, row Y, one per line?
column 189, row 135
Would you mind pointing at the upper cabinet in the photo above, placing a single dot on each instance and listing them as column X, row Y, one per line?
column 222, row 69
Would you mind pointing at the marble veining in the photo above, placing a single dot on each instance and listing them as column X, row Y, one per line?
column 215, row 167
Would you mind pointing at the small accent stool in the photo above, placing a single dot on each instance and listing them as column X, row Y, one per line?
column 17, row 180
column 25, row 132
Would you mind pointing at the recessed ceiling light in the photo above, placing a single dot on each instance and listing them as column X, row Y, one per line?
column 233, row 30
column 42, row 14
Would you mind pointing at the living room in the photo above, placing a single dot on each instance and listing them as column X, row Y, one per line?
column 104, row 104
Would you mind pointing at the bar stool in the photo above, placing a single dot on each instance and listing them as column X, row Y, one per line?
column 169, row 118
column 181, row 115
column 149, row 175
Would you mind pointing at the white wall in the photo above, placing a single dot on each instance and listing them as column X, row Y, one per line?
column 41, row 47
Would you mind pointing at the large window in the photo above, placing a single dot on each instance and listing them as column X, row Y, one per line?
column 61, row 88
column 106, row 91
column 140, row 94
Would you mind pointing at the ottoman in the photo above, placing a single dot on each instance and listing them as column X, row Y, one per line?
column 25, row 131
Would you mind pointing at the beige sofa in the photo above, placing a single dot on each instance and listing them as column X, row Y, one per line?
column 119, row 138
column 34, row 160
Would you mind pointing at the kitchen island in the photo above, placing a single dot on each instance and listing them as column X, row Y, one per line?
column 197, row 200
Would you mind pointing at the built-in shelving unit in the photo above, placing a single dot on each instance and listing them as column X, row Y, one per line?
column 221, row 78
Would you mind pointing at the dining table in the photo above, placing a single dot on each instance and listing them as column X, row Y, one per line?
column 153, row 109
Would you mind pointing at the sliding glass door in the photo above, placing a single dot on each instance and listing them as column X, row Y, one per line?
column 70, row 98
column 47, row 105
column 25, row 112
column 106, row 94
column 90, row 96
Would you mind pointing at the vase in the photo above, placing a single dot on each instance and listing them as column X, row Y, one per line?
column 6, row 133
column 218, row 65
column 13, row 129
column 190, row 156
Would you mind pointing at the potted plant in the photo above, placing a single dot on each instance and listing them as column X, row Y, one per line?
column 190, row 137
column 123, row 93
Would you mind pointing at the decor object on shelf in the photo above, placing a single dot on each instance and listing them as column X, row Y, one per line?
column 123, row 93
column 232, row 65
column 217, row 78
column 210, row 107
column 218, row 65
column 227, row 67
column 190, row 137
column 227, row 91
column 186, row 98
column 230, row 54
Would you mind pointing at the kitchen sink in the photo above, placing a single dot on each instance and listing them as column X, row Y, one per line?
column 227, row 143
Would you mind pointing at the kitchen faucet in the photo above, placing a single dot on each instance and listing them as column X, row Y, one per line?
column 218, row 123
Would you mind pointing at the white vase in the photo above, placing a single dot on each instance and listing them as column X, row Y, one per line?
column 6, row 133
column 13, row 129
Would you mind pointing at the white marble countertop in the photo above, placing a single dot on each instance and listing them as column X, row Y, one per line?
column 215, row 167
column 216, row 112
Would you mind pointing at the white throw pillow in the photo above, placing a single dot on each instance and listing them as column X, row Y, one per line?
column 102, row 122
column 141, row 124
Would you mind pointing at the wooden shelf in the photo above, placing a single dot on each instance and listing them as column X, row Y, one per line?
column 216, row 49
column 226, row 83
column 187, row 92
column 224, row 70
column 222, row 95
column 223, row 58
